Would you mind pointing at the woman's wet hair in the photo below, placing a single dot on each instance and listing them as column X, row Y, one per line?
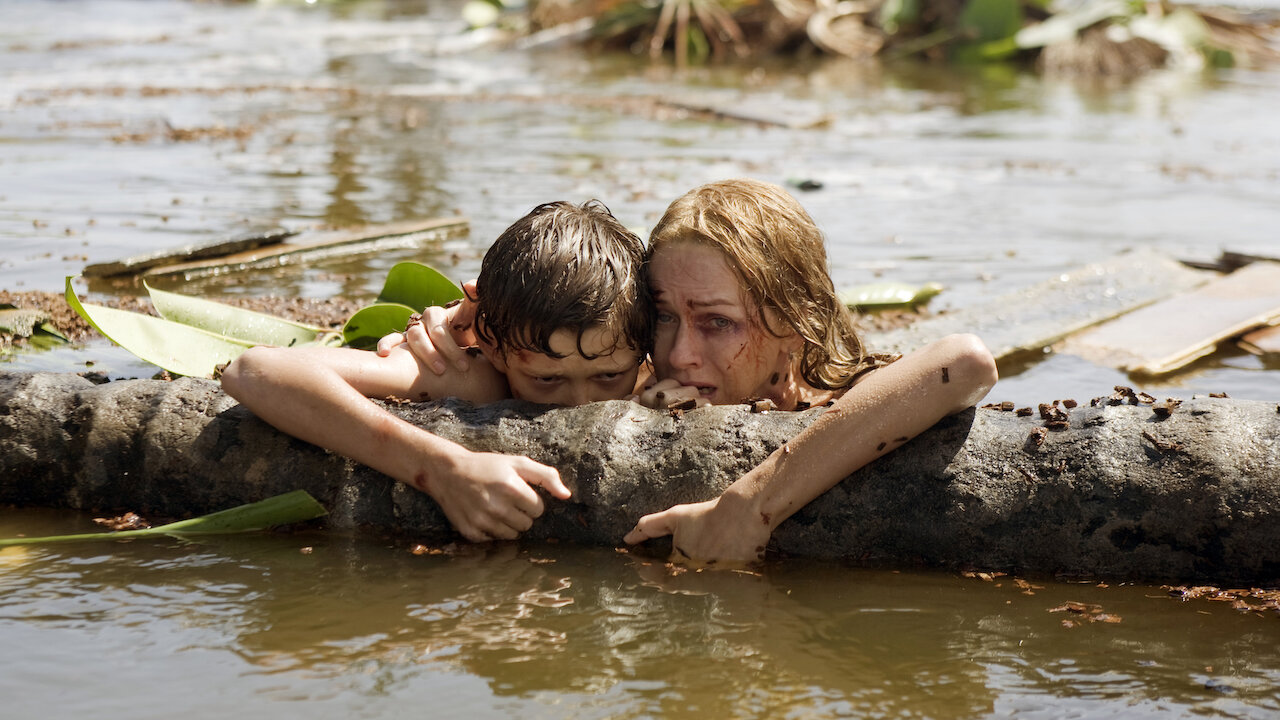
column 564, row 266
column 778, row 255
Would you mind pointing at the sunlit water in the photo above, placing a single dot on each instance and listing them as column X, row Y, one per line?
column 982, row 179
column 322, row 626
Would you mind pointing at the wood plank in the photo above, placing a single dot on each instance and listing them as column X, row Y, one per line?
column 138, row 264
column 1262, row 342
column 1163, row 337
column 315, row 245
column 1038, row 316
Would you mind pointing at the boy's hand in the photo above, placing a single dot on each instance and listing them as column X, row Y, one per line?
column 487, row 496
column 665, row 393
column 443, row 335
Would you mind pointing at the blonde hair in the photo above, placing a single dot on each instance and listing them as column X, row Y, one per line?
column 778, row 254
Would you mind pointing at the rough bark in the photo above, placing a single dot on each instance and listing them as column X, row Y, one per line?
column 1120, row 492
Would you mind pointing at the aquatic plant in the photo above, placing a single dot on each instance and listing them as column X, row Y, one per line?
column 1115, row 37
column 194, row 336
column 291, row 507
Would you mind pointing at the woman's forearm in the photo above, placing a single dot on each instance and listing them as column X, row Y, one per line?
column 879, row 414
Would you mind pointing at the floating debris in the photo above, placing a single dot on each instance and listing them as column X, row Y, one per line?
column 127, row 521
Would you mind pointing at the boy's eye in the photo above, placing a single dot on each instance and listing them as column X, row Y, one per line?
column 665, row 317
column 546, row 379
column 608, row 377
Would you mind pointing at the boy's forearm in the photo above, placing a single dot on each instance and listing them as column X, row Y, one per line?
column 312, row 402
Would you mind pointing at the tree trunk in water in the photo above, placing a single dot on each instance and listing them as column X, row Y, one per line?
column 1119, row 492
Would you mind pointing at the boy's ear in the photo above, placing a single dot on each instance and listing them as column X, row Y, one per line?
column 497, row 359
column 469, row 289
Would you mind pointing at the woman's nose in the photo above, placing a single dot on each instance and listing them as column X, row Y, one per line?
column 685, row 352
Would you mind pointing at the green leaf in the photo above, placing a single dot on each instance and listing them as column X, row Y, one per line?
column 987, row 20
column 418, row 286
column 178, row 348
column 369, row 324
column 291, row 507
column 888, row 295
column 253, row 327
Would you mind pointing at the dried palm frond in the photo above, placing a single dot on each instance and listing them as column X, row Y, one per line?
column 716, row 22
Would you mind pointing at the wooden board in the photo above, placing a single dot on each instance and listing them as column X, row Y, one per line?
column 1165, row 336
column 315, row 245
column 1038, row 316
column 138, row 264
column 1262, row 342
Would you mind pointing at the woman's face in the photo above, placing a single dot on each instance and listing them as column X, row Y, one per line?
column 708, row 332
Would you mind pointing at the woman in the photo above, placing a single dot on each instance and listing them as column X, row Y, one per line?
column 746, row 309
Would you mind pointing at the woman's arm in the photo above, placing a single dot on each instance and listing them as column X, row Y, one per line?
column 879, row 414
column 321, row 395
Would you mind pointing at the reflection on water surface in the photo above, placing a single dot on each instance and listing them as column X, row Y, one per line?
column 130, row 126
column 252, row 623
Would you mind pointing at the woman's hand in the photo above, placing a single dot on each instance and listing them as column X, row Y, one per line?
column 442, row 336
column 716, row 532
column 488, row 496
column 665, row 393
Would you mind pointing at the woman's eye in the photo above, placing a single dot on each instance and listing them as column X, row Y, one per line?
column 608, row 377
column 546, row 379
column 665, row 317
column 720, row 323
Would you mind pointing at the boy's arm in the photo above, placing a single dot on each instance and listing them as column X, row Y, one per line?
column 321, row 395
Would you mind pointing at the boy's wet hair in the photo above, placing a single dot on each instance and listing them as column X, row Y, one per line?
column 564, row 266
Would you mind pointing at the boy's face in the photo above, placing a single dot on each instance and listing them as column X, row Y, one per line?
column 572, row 379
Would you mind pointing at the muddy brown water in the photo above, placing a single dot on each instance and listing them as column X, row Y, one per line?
column 127, row 127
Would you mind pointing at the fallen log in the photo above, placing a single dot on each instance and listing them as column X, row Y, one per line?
column 1185, row 493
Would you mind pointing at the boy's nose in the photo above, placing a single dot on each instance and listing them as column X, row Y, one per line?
column 580, row 394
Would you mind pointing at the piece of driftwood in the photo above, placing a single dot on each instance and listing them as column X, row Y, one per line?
column 316, row 245
column 138, row 264
column 1038, row 316
column 1118, row 490
column 1168, row 335
column 1262, row 342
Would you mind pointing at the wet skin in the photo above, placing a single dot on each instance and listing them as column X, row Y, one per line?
column 708, row 332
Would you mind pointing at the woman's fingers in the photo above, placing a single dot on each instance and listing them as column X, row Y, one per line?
column 429, row 341
column 652, row 526
column 665, row 393
column 389, row 342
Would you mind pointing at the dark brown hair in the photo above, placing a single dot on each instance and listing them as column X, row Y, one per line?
column 564, row 266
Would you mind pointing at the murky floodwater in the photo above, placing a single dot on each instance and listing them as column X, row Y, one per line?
column 133, row 126
column 256, row 627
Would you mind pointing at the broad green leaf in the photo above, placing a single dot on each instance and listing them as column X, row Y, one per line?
column 47, row 337
column 883, row 296
column 253, row 327
column 369, row 324
column 988, row 20
column 417, row 286
column 291, row 507
column 178, row 348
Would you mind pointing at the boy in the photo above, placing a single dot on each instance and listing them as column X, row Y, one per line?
column 563, row 318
